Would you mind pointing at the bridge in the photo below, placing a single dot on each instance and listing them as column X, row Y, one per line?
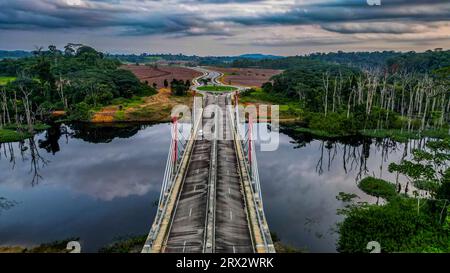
column 211, row 201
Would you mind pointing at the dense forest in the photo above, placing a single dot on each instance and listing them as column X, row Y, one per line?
column 4, row 54
column 346, row 99
column 189, row 60
column 74, row 80
column 410, row 61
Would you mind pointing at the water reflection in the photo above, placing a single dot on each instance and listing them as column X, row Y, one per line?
column 98, row 183
column 72, row 183
column 301, row 185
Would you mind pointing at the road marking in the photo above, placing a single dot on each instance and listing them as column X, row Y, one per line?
column 195, row 188
column 234, row 249
column 190, row 212
column 184, row 246
column 229, row 191
column 231, row 215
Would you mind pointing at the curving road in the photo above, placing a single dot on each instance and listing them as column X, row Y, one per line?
column 214, row 76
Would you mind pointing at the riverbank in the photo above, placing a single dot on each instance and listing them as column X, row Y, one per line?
column 149, row 109
column 155, row 108
column 52, row 247
column 334, row 125
column 288, row 111
column 12, row 133
column 423, row 214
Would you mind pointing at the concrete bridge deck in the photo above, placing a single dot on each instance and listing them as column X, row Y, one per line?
column 210, row 207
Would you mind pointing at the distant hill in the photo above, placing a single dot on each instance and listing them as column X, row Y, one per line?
column 259, row 56
column 14, row 54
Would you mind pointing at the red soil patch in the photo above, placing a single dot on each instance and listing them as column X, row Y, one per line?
column 58, row 113
column 251, row 77
column 159, row 74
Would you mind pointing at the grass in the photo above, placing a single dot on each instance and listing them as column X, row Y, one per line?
column 288, row 108
column 24, row 127
column 8, row 135
column 319, row 133
column 403, row 136
column 394, row 134
column 4, row 80
column 377, row 187
column 438, row 133
column 14, row 133
column 119, row 115
column 53, row 247
column 127, row 245
column 217, row 88
column 128, row 103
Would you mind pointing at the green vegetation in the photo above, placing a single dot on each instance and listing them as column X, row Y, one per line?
column 7, row 135
column 283, row 248
column 397, row 226
column 6, row 80
column 128, row 103
column 13, row 133
column 418, row 223
column 127, row 245
column 395, row 61
column 288, row 108
column 318, row 133
column 377, row 187
column 179, row 87
column 216, row 88
column 52, row 247
column 340, row 100
column 78, row 80
column 394, row 134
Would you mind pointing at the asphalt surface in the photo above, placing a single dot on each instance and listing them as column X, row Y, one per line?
column 188, row 230
column 232, row 231
column 192, row 225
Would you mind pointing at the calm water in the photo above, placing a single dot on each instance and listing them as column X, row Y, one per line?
column 95, row 184
column 301, row 180
column 100, row 184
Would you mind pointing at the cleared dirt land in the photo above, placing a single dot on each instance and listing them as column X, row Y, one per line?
column 158, row 74
column 251, row 77
column 156, row 108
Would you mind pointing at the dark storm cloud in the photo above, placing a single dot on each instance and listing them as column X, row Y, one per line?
column 372, row 27
column 193, row 17
column 50, row 14
column 221, row 1
column 353, row 11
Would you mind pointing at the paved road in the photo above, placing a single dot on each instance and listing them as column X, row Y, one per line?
column 187, row 232
column 212, row 182
column 232, row 231
column 214, row 76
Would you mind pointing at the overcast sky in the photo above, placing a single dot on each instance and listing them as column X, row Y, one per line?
column 221, row 27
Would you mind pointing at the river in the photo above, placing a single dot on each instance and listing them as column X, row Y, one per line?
column 100, row 184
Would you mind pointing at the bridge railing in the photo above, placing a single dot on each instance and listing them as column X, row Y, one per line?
column 178, row 143
column 247, row 141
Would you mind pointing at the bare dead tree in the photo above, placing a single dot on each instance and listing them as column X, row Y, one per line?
column 326, row 84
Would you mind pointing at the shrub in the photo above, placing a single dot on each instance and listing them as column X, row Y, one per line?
column 81, row 111
column 377, row 187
